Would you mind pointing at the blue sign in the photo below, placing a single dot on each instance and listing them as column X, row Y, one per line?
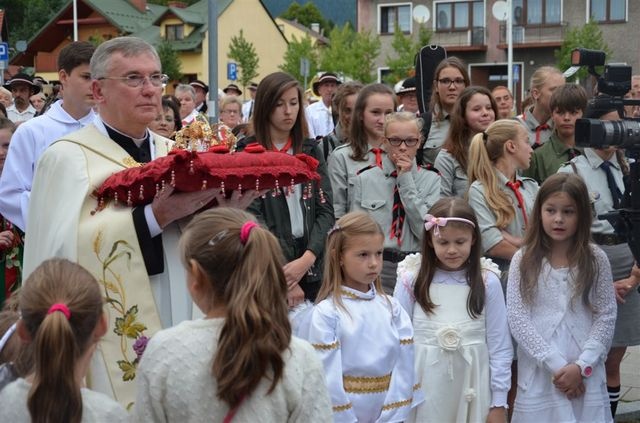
column 4, row 51
column 232, row 71
column 516, row 73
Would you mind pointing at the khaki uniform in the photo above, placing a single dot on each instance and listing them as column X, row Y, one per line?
column 454, row 181
column 437, row 135
column 546, row 160
column 342, row 173
column 491, row 234
column 531, row 124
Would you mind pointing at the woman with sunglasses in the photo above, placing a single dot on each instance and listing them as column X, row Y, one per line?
column 398, row 194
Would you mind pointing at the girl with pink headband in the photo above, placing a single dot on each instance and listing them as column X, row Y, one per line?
column 63, row 320
column 240, row 361
column 454, row 298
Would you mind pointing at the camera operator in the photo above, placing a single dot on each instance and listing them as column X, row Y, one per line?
column 603, row 170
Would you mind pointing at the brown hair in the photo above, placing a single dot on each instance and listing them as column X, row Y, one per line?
column 459, row 136
column 357, row 134
column 248, row 279
column 75, row 54
column 58, row 342
column 435, row 105
column 451, row 207
column 568, row 98
column 9, row 316
column 340, row 100
column 483, row 154
column 348, row 226
column 537, row 244
column 270, row 89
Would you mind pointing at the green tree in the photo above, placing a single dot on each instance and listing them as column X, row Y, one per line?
column 245, row 56
column 28, row 17
column 587, row 36
column 402, row 64
column 305, row 15
column 351, row 54
column 170, row 61
column 297, row 50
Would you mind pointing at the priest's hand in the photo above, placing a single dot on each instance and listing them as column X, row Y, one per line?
column 239, row 200
column 6, row 240
column 295, row 296
column 170, row 205
column 295, row 270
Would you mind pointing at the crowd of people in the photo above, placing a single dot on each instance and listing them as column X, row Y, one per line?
column 450, row 266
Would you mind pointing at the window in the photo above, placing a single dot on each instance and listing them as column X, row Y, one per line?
column 174, row 32
column 537, row 12
column 608, row 10
column 396, row 16
column 459, row 16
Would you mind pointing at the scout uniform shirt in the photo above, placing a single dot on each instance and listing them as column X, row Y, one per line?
column 588, row 167
column 547, row 159
column 539, row 133
column 454, row 182
column 437, row 134
column 490, row 233
column 419, row 189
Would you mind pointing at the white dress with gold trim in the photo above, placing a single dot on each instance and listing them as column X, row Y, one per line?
column 367, row 352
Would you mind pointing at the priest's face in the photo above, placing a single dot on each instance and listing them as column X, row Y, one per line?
column 128, row 108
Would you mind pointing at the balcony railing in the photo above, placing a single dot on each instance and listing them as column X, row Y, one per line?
column 471, row 37
column 534, row 34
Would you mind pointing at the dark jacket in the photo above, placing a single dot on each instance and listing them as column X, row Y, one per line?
column 318, row 214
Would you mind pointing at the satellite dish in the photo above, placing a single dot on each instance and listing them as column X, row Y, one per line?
column 421, row 14
column 500, row 10
column 21, row 45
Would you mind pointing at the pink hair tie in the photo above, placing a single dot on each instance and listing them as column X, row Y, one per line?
column 61, row 308
column 431, row 221
column 246, row 230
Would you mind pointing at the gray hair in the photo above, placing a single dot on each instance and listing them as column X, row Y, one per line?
column 127, row 46
column 185, row 88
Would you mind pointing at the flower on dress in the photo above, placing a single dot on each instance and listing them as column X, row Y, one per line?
column 488, row 264
column 140, row 345
column 470, row 394
column 448, row 338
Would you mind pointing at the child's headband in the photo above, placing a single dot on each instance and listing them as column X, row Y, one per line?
column 7, row 335
column 431, row 221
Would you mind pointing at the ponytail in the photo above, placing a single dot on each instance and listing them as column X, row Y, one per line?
column 61, row 306
column 55, row 395
column 251, row 284
column 486, row 148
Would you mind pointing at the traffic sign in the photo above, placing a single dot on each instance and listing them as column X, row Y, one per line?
column 232, row 71
column 4, row 51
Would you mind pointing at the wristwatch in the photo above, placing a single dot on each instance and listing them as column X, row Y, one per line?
column 585, row 370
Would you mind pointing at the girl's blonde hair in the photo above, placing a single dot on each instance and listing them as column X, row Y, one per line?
column 486, row 148
column 403, row 117
column 58, row 341
column 347, row 227
column 537, row 244
column 248, row 279
column 451, row 207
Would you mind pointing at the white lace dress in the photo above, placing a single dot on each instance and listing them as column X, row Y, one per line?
column 464, row 363
column 367, row 352
column 554, row 332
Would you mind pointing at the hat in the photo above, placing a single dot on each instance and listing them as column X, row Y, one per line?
column 24, row 78
column 325, row 77
column 233, row 87
column 408, row 85
column 253, row 86
column 199, row 84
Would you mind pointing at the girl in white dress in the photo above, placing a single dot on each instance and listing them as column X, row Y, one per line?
column 62, row 319
column 561, row 309
column 364, row 337
column 463, row 347
column 240, row 362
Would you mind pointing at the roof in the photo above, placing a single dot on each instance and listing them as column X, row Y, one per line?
column 124, row 16
column 313, row 34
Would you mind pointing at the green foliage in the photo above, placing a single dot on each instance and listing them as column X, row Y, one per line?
column 305, row 15
column 170, row 61
column 587, row 36
column 245, row 56
column 296, row 50
column 402, row 65
column 25, row 18
column 351, row 54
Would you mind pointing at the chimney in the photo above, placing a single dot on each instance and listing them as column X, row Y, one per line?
column 315, row 27
column 141, row 5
